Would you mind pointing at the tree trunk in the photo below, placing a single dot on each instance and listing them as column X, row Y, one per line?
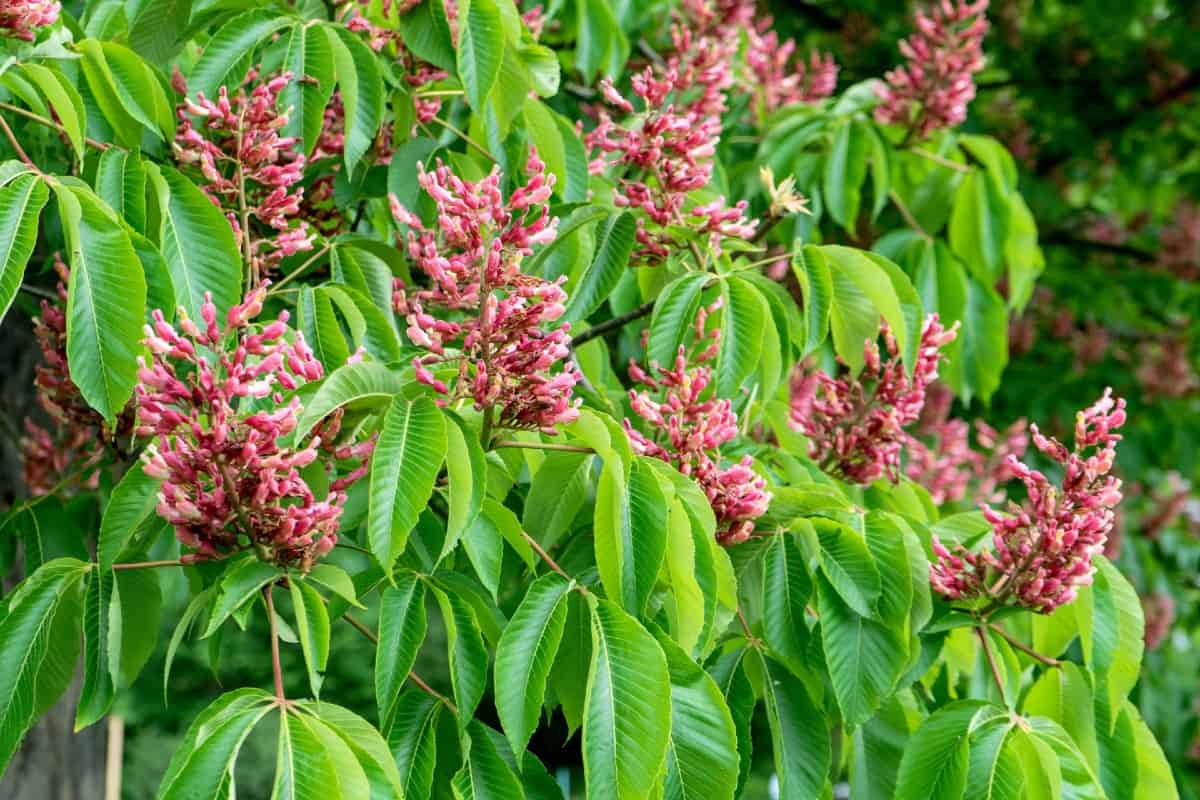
column 53, row 763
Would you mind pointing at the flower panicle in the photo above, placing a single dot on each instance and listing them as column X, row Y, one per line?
column 22, row 18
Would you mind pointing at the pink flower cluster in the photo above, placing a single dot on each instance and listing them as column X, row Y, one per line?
column 213, row 395
column 690, row 425
column 1158, row 608
column 941, row 457
column 855, row 426
column 1042, row 551
column 22, row 18
column 779, row 81
column 937, row 83
column 235, row 143
column 78, row 439
column 1179, row 250
column 669, row 145
column 473, row 260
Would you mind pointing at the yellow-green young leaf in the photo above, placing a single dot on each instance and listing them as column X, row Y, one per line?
column 524, row 655
column 845, row 171
column 1110, row 630
column 614, row 243
column 224, row 59
column 816, row 283
column 139, row 90
column 336, row 580
column 466, row 468
column 64, row 99
column 702, row 758
column 799, row 735
column 466, row 653
column 312, row 625
column 1155, row 781
column 863, row 291
column 121, row 182
column 936, row 758
column 97, row 692
column 912, row 314
column 979, row 225
column 102, row 85
column 21, row 202
column 994, row 768
column 744, row 316
column 242, row 580
column 310, row 60
column 408, row 456
column 401, row 631
column 485, row 775
column 1078, row 778
column 364, row 743
column 1065, row 696
column 674, row 314
column 130, row 507
column 363, row 93
column 626, row 725
column 31, row 650
column 413, row 740
column 787, row 588
column 480, row 49
column 687, row 607
column 106, row 301
column 630, row 533
column 201, row 764
column 197, row 243
column 362, row 385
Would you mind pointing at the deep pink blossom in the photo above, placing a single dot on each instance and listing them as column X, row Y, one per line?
column 690, row 424
column 21, row 18
column 1042, row 551
column 855, row 426
column 779, row 78
column 933, row 88
column 249, row 170
column 497, row 335
column 213, row 396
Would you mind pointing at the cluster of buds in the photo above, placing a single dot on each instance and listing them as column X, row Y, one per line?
column 77, row 441
column 932, row 90
column 782, row 80
column 249, row 169
column 1179, row 242
column 670, row 144
column 1164, row 368
column 855, row 426
column 1042, row 551
column 472, row 258
column 691, row 423
column 21, row 18
column 213, row 398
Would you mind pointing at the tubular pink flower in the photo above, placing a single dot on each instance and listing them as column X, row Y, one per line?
column 933, row 88
column 691, row 424
column 22, row 18
column 213, row 396
column 472, row 258
column 1042, row 551
column 779, row 79
column 856, row 426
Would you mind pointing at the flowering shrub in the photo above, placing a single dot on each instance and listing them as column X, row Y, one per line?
column 663, row 358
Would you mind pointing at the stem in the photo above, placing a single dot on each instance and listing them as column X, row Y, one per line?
column 300, row 269
column 275, row 665
column 49, row 123
column 448, row 126
column 1024, row 648
column 38, row 291
column 750, row 637
column 244, row 213
column 566, row 448
column 550, row 562
column 485, row 430
column 412, row 676
column 940, row 160
column 170, row 562
column 441, row 93
column 12, row 139
column 612, row 324
column 113, row 756
column 762, row 232
column 908, row 215
column 991, row 658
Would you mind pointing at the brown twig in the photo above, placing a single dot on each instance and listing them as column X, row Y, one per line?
column 412, row 676
column 550, row 562
column 170, row 562
column 612, row 324
column 49, row 123
column 276, row 667
column 991, row 659
column 300, row 269
column 1024, row 648
column 21, row 154
column 909, row 219
column 566, row 448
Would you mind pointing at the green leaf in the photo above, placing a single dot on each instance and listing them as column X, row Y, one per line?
column 467, row 655
column 336, row 580
column 401, row 631
column 408, row 455
column 601, row 46
column 878, row 747
column 1021, row 253
column 1110, row 630
column 365, row 384
column 197, row 243
column 524, row 655
column 130, row 507
column 863, row 291
column 614, row 243
column 1079, row 780
column 559, row 489
column 426, row 32
column 138, row 88
column 97, row 692
column 993, row 769
column 979, row 225
column 1065, row 696
column 364, row 743
column 121, row 182
column 241, row 582
column 363, row 91
column 626, row 726
column 630, row 533
column 702, row 756
column 568, row 231
column 674, row 314
column 21, row 202
column 816, row 283
column 466, row 470
column 203, row 762
column 126, row 128
column 1155, row 780
column 133, row 623
column 158, row 30
column 935, row 761
column 413, row 740
column 848, row 565
column 106, row 302
column 845, row 171
column 312, row 623
column 199, row 603
column 568, row 676
column 983, row 354
column 485, row 775
column 310, row 60
column 744, row 317
column 787, row 588
column 799, row 735
column 316, row 319
column 65, row 100
column 302, row 768
column 228, row 48
column 480, row 49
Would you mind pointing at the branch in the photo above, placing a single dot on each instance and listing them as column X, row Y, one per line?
column 987, row 650
column 1024, row 648
column 412, row 676
column 172, row 562
column 1062, row 239
column 566, row 448
column 21, row 154
column 49, row 123
column 612, row 324
column 276, row 667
